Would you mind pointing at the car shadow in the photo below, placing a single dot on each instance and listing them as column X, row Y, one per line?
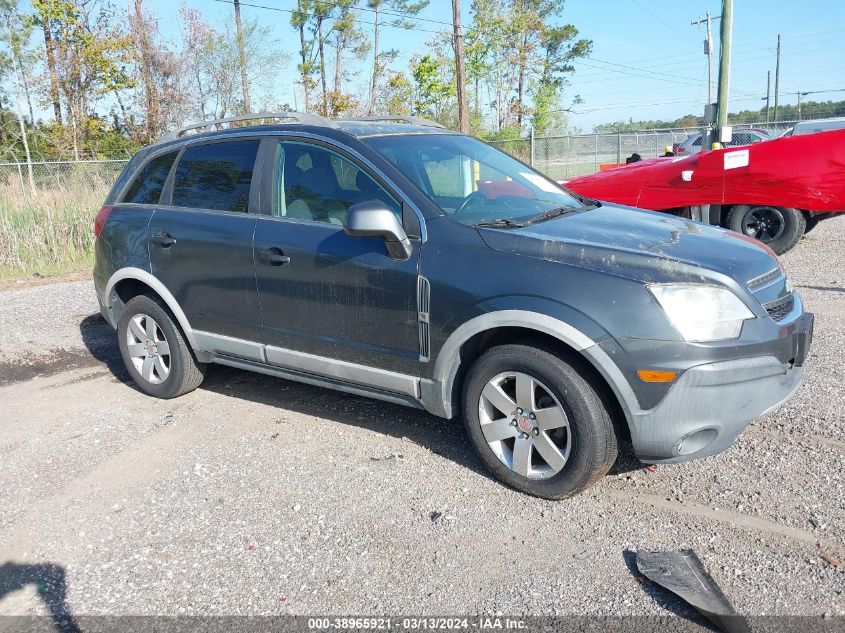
column 99, row 338
column 445, row 438
column 49, row 580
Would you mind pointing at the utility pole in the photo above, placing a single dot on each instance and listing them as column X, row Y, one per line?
column 777, row 79
column 242, row 56
column 726, row 35
column 768, row 92
column 708, row 50
column 707, row 133
column 801, row 94
column 463, row 114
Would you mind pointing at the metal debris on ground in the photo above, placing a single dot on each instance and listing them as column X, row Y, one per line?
column 682, row 573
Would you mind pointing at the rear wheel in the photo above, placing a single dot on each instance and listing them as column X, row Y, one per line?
column 537, row 424
column 154, row 350
column 778, row 227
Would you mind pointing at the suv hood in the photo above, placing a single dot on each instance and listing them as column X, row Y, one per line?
column 641, row 245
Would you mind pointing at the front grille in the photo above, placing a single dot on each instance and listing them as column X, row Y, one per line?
column 779, row 308
column 764, row 279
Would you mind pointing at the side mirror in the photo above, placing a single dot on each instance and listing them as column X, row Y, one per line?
column 374, row 219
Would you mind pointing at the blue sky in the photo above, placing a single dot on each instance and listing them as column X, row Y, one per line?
column 647, row 61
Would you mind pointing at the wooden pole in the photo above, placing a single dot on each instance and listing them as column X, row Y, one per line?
column 460, row 79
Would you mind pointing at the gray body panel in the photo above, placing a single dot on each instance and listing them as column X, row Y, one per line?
column 342, row 313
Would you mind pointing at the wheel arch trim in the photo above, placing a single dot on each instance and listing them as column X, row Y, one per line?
column 159, row 288
column 448, row 359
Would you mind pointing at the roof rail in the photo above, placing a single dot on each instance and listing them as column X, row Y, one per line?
column 203, row 126
column 412, row 120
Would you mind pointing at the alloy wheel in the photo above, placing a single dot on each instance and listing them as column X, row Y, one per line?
column 525, row 425
column 148, row 348
column 764, row 223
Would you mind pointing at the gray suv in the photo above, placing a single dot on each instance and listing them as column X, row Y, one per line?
column 395, row 259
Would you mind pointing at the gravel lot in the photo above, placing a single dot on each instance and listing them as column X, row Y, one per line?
column 254, row 495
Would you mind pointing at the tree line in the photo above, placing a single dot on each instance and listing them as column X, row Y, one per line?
column 809, row 110
column 83, row 78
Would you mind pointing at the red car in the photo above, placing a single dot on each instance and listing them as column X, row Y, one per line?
column 773, row 191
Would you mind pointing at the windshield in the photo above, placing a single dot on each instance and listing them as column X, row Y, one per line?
column 474, row 183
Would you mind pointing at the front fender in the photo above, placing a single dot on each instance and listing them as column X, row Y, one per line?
column 562, row 322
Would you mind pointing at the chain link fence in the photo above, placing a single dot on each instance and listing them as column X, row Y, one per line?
column 556, row 156
column 575, row 155
column 58, row 177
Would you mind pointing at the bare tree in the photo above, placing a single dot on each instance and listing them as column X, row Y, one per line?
column 42, row 17
column 140, row 28
column 242, row 57
column 16, row 32
column 398, row 13
column 300, row 20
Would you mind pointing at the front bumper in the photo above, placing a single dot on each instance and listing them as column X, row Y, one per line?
column 711, row 404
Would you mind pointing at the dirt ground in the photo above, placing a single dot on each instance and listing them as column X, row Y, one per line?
column 255, row 495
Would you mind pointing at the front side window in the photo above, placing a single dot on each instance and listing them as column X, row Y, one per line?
column 215, row 176
column 147, row 186
column 316, row 184
column 474, row 183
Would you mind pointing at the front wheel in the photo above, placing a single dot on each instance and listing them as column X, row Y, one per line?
column 536, row 423
column 778, row 227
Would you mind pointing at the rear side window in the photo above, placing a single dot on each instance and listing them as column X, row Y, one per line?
column 215, row 176
column 147, row 186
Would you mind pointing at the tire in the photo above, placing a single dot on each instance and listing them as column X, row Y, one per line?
column 778, row 227
column 146, row 329
column 811, row 224
column 587, row 445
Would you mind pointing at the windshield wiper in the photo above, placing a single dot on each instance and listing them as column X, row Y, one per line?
column 555, row 213
column 500, row 223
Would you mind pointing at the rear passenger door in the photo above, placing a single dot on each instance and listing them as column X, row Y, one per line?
column 200, row 241
column 132, row 212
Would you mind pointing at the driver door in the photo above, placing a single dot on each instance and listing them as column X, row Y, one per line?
column 323, row 293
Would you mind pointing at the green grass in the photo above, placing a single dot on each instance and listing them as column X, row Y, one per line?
column 560, row 172
column 50, row 233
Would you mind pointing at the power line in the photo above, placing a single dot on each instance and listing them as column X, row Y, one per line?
column 384, row 12
column 407, row 27
column 753, row 44
column 740, row 97
column 662, row 21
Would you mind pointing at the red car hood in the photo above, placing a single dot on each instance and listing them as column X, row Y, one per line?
column 804, row 172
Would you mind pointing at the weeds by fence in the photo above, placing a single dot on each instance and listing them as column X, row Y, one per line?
column 49, row 230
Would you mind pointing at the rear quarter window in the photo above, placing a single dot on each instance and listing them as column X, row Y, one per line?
column 215, row 176
column 148, row 184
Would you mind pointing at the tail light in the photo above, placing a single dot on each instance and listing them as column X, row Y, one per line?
column 100, row 220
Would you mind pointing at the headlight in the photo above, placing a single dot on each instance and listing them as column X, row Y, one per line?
column 702, row 313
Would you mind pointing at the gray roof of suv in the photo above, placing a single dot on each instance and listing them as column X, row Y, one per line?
column 363, row 129
column 367, row 126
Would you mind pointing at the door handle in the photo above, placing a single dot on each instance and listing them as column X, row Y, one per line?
column 275, row 257
column 164, row 240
